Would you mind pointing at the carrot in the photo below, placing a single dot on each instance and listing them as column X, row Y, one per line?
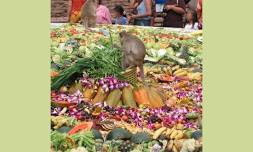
column 54, row 74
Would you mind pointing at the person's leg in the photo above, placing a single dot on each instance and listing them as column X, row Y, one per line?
column 142, row 22
column 137, row 22
column 146, row 22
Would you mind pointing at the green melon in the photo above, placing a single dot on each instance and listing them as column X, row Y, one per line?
column 141, row 137
column 64, row 129
column 96, row 134
column 119, row 133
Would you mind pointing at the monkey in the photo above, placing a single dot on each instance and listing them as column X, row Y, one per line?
column 88, row 13
column 134, row 52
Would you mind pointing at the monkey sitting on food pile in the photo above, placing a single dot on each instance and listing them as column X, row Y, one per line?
column 133, row 52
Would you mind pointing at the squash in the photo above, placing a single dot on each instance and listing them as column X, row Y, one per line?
column 100, row 96
column 84, row 126
column 154, row 98
column 141, row 96
column 128, row 97
column 114, row 98
column 120, row 103
column 89, row 93
column 74, row 88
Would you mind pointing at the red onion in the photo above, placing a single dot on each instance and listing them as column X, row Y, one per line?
column 112, row 82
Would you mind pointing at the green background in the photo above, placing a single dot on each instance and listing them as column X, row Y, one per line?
column 25, row 81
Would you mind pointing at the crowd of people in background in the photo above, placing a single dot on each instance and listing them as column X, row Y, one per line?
column 177, row 14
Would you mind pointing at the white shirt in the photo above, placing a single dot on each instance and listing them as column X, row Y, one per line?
column 189, row 27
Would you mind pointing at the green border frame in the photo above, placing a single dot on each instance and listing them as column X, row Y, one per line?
column 25, row 81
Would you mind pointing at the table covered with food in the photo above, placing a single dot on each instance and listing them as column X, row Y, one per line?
column 97, row 106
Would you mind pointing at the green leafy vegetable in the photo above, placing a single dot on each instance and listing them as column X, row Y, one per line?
column 59, row 141
column 104, row 61
column 86, row 140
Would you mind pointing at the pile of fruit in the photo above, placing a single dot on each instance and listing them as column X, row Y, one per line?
column 94, row 108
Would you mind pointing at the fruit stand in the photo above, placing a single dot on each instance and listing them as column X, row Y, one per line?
column 95, row 107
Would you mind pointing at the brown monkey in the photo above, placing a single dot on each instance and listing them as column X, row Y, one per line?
column 133, row 52
column 88, row 13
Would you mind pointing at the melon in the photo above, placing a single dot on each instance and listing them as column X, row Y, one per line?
column 119, row 133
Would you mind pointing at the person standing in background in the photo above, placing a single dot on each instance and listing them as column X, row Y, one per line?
column 103, row 14
column 191, row 20
column 119, row 12
column 144, row 12
column 175, row 10
column 199, row 13
column 75, row 10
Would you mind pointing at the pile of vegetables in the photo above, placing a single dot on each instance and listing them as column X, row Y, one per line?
column 95, row 109
column 103, row 61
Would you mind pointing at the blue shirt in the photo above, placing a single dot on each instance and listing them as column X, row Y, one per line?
column 121, row 20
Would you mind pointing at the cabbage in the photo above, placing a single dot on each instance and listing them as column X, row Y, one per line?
column 59, row 51
column 54, row 44
column 156, row 46
column 170, row 51
column 82, row 48
column 56, row 58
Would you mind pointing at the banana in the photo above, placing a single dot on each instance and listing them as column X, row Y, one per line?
column 159, row 132
column 174, row 149
column 183, row 73
column 180, row 127
column 175, row 67
column 170, row 145
column 168, row 132
column 174, row 134
column 179, row 135
column 168, row 71
column 178, row 71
